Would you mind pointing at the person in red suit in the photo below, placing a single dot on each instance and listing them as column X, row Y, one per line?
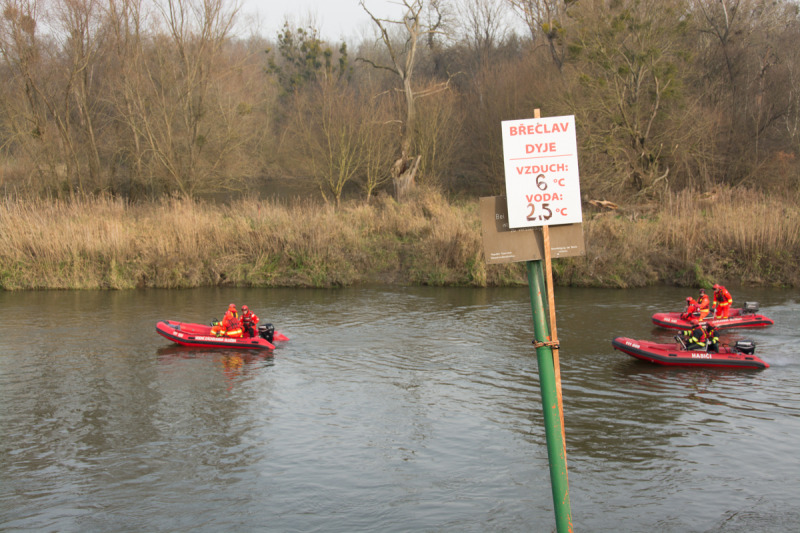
column 249, row 321
column 712, row 338
column 722, row 301
column 230, row 325
column 705, row 304
column 692, row 307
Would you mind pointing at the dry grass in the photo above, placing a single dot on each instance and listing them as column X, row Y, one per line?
column 733, row 236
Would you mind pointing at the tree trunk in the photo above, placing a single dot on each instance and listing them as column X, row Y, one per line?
column 405, row 168
column 403, row 173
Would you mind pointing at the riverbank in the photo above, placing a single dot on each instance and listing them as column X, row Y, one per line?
column 733, row 237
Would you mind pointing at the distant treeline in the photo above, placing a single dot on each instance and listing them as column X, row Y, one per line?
column 142, row 100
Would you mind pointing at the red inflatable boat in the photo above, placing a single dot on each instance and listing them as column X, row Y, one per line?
column 738, row 356
column 200, row 336
column 743, row 317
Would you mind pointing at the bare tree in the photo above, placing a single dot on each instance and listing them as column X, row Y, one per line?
column 423, row 19
column 483, row 25
column 125, row 19
column 333, row 149
column 792, row 118
column 173, row 98
column 25, row 118
column 547, row 19
column 746, row 60
column 83, row 42
column 437, row 136
column 57, row 79
column 379, row 145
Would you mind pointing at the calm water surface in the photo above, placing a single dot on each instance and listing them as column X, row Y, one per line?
column 390, row 409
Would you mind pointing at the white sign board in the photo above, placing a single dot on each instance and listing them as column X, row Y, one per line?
column 541, row 167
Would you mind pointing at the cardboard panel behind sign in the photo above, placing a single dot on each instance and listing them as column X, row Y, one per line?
column 501, row 244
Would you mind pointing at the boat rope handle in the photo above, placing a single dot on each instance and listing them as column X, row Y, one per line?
column 539, row 344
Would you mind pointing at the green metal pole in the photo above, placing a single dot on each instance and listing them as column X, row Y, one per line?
column 556, row 448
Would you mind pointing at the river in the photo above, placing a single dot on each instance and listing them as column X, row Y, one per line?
column 389, row 409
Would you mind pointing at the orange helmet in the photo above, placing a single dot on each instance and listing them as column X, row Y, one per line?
column 716, row 286
column 245, row 308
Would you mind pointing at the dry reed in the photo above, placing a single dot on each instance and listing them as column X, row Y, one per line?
column 732, row 237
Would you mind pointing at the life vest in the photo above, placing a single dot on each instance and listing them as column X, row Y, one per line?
column 711, row 335
column 696, row 335
column 249, row 318
column 722, row 296
column 704, row 302
column 231, row 321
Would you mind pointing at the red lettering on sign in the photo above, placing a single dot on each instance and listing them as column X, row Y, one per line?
column 540, row 169
column 540, row 148
column 539, row 128
column 544, row 197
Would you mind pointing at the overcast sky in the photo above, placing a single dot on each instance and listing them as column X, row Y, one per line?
column 336, row 19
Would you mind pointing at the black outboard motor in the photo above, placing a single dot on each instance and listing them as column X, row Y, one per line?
column 745, row 347
column 750, row 308
column 266, row 331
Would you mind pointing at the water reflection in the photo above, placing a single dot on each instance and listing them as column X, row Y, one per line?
column 235, row 365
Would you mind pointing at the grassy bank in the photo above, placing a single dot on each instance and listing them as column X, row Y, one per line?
column 734, row 237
